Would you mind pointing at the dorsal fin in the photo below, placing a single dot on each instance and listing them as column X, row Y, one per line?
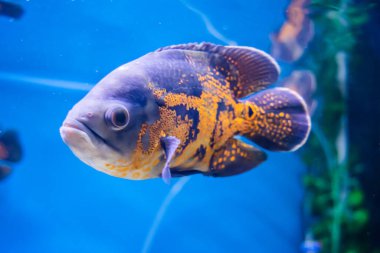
column 254, row 69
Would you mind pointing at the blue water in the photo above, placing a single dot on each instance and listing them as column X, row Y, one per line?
column 54, row 203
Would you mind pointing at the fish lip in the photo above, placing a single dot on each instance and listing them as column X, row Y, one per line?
column 83, row 127
column 77, row 125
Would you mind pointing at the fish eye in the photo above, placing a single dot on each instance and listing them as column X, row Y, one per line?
column 117, row 117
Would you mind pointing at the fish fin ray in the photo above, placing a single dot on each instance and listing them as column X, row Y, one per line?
column 170, row 144
column 253, row 68
column 234, row 158
column 280, row 120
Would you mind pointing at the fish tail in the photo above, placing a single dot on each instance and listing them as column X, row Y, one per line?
column 276, row 119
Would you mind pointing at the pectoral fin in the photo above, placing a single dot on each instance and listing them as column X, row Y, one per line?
column 233, row 158
column 169, row 144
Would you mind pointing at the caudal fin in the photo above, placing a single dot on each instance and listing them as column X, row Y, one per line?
column 277, row 119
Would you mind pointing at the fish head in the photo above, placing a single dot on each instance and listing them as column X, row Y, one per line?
column 103, row 128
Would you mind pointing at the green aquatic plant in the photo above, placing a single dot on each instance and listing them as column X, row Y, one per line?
column 335, row 202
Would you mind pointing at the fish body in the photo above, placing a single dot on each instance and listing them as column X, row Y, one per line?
column 177, row 111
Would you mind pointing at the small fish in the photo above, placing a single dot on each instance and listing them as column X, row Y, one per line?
column 10, row 147
column 11, row 10
column 180, row 110
column 295, row 34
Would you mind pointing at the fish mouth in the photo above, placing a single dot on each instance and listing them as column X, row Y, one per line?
column 89, row 146
column 75, row 131
column 78, row 126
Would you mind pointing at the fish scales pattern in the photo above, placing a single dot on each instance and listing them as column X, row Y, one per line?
column 197, row 106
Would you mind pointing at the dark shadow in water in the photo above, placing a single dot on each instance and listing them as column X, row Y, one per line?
column 11, row 10
column 364, row 116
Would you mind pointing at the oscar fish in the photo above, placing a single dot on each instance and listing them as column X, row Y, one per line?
column 182, row 110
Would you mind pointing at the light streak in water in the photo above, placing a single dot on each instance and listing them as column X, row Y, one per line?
column 174, row 191
column 64, row 84
column 209, row 26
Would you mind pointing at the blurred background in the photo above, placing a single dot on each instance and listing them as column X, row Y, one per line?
column 323, row 198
